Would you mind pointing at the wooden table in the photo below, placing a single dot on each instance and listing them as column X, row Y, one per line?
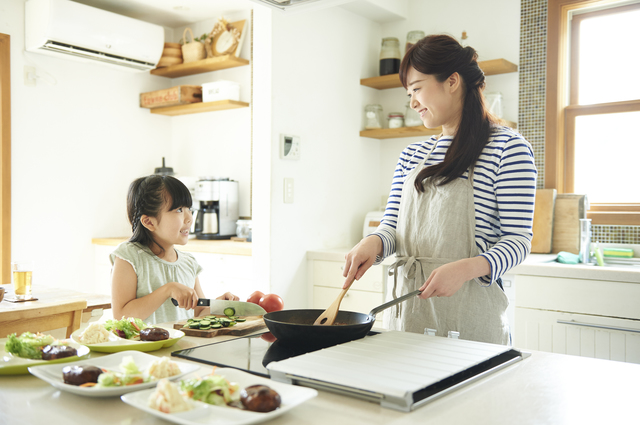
column 47, row 296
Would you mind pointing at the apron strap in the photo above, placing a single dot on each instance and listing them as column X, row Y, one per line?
column 411, row 268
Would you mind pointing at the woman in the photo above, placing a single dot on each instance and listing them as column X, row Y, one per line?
column 460, row 212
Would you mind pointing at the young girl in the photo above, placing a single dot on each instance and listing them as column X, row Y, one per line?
column 460, row 211
column 148, row 271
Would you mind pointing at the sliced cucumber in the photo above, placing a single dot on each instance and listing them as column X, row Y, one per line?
column 241, row 320
column 216, row 325
column 205, row 328
column 194, row 325
column 229, row 311
column 205, row 323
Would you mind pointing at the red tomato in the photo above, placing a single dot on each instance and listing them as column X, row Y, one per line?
column 268, row 337
column 271, row 302
column 255, row 297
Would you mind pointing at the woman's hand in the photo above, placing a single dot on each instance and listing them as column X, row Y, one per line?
column 360, row 258
column 187, row 297
column 229, row 297
column 446, row 280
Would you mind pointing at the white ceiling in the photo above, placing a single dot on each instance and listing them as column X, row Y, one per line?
column 170, row 13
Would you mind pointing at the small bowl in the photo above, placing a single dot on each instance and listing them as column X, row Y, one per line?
column 1, row 293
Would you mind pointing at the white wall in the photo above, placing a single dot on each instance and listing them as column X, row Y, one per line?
column 79, row 138
column 318, row 60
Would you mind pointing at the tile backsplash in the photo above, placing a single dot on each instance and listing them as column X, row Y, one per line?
column 531, row 107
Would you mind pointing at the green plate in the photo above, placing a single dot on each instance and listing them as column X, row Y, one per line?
column 14, row 365
column 117, row 344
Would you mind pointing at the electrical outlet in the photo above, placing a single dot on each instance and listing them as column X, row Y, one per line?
column 29, row 76
column 288, row 191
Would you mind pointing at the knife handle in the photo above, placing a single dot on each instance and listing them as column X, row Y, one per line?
column 201, row 302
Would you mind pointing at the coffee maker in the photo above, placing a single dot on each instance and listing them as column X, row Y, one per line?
column 217, row 208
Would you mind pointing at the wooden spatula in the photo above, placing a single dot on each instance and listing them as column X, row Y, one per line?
column 329, row 315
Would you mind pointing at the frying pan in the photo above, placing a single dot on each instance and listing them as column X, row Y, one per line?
column 296, row 326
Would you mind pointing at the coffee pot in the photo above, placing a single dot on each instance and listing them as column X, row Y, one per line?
column 217, row 208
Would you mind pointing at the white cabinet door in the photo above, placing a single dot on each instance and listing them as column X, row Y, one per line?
column 354, row 300
column 578, row 334
column 226, row 273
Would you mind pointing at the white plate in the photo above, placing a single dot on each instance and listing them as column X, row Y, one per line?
column 53, row 373
column 13, row 365
column 116, row 344
column 203, row 413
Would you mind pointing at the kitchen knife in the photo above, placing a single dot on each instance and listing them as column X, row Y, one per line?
column 217, row 307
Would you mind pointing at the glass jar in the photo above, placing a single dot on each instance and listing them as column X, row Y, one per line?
column 372, row 117
column 494, row 103
column 396, row 120
column 243, row 228
column 390, row 56
column 412, row 38
column 411, row 117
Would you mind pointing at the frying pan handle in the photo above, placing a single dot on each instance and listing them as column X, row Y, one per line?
column 393, row 302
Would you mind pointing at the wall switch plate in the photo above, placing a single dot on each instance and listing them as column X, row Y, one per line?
column 29, row 76
column 289, row 147
column 288, row 191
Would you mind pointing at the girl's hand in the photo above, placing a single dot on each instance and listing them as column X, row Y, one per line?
column 228, row 296
column 187, row 297
column 360, row 258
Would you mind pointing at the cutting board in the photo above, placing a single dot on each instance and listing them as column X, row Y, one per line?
column 543, row 221
column 569, row 209
column 253, row 324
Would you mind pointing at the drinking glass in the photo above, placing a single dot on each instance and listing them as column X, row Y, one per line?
column 21, row 278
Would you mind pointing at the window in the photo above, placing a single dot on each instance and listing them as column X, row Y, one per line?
column 5, row 160
column 593, row 106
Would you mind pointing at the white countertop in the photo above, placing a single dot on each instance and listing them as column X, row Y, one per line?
column 534, row 264
column 542, row 389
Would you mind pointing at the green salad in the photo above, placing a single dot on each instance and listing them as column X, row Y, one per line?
column 28, row 345
column 126, row 327
column 130, row 375
column 212, row 389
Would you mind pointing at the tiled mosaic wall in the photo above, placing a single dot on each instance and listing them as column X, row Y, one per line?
column 531, row 107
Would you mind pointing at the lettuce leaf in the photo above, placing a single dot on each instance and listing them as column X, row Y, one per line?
column 212, row 389
column 28, row 345
column 126, row 325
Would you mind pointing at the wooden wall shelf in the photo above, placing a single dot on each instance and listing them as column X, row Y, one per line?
column 195, row 108
column 199, row 67
column 418, row 131
column 490, row 67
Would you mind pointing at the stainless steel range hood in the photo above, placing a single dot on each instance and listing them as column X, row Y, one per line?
column 300, row 5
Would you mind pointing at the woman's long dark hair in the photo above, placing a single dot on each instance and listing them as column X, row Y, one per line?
column 441, row 56
column 147, row 196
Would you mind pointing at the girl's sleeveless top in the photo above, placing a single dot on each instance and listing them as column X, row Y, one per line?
column 153, row 272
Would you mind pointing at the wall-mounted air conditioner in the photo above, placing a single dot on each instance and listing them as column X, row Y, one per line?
column 72, row 30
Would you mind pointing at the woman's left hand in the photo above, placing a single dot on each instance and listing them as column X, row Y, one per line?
column 229, row 297
column 446, row 280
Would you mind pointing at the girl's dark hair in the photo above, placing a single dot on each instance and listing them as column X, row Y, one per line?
column 147, row 196
column 441, row 56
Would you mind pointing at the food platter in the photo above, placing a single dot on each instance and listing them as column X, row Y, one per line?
column 14, row 365
column 117, row 344
column 291, row 395
column 53, row 373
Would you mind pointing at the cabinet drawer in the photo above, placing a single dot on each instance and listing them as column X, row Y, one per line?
column 329, row 274
column 578, row 334
column 615, row 299
column 354, row 300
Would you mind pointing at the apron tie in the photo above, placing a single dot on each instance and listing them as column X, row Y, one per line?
column 411, row 268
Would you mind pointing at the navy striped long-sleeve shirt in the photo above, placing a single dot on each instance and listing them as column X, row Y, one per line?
column 504, row 187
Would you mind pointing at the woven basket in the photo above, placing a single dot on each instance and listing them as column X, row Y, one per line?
column 192, row 51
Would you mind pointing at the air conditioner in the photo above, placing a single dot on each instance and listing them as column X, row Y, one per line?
column 72, row 30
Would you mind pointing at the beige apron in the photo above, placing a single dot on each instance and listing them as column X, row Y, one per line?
column 435, row 228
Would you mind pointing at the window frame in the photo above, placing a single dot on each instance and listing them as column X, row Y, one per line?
column 5, row 158
column 562, row 109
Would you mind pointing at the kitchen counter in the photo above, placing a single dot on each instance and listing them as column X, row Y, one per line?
column 534, row 264
column 544, row 388
column 194, row 245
